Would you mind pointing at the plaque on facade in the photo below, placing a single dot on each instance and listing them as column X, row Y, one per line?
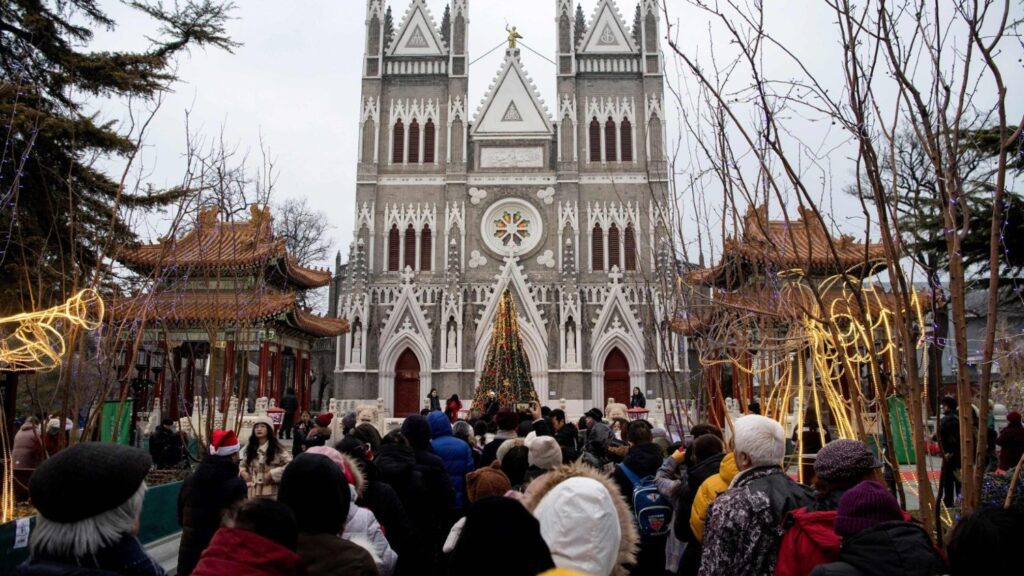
column 519, row 157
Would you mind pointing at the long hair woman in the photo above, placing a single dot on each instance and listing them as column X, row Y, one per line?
column 264, row 460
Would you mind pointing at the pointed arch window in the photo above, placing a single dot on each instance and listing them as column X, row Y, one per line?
column 613, row 247
column 630, row 245
column 428, row 142
column 393, row 248
column 426, row 246
column 610, row 141
column 626, row 138
column 414, row 142
column 595, row 140
column 398, row 142
column 597, row 248
column 410, row 248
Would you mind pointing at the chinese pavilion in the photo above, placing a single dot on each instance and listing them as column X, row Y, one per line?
column 223, row 303
column 788, row 314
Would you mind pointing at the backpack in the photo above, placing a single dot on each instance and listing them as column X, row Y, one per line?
column 651, row 511
column 809, row 541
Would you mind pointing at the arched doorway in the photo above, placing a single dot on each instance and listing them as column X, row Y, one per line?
column 616, row 377
column 407, row 384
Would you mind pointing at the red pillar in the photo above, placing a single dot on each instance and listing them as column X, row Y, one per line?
column 297, row 379
column 158, row 388
column 172, row 404
column 261, row 391
column 190, row 381
column 275, row 387
column 716, row 402
column 229, row 375
column 307, row 381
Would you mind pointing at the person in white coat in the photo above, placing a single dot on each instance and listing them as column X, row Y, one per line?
column 361, row 527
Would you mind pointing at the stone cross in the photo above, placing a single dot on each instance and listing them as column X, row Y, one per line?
column 408, row 275
column 614, row 275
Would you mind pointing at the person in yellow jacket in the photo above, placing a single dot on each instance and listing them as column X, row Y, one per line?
column 710, row 490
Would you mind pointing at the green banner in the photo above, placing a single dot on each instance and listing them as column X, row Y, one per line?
column 110, row 410
column 902, row 436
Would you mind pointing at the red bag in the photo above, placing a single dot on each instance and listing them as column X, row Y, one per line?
column 809, row 541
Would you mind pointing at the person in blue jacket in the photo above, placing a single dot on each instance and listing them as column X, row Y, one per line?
column 456, row 455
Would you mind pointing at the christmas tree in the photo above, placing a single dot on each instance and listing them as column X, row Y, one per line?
column 506, row 372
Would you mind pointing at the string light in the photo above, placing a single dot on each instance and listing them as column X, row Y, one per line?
column 37, row 343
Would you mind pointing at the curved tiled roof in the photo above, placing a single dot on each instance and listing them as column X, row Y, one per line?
column 782, row 245
column 228, row 307
column 215, row 244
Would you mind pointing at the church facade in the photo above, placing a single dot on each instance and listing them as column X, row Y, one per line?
column 565, row 206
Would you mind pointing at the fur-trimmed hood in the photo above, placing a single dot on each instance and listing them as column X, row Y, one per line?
column 349, row 466
column 582, row 523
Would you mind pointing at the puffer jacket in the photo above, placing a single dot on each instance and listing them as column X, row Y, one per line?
column 212, row 488
column 396, row 467
column 244, row 553
column 256, row 470
column 690, row 562
column 27, row 450
column 362, row 528
column 1011, row 440
column 581, row 522
column 887, row 549
column 708, row 491
column 456, row 454
column 743, row 529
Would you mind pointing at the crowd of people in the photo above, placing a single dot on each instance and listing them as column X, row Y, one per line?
column 509, row 493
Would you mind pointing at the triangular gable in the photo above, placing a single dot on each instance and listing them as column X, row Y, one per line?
column 511, row 277
column 512, row 105
column 607, row 33
column 406, row 313
column 616, row 315
column 417, row 36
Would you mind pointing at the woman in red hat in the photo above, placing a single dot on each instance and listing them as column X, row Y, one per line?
column 320, row 433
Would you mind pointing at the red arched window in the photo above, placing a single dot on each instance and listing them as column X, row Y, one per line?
column 414, row 142
column 410, row 248
column 613, row 247
column 393, row 250
column 428, row 142
column 610, row 141
column 597, row 248
column 426, row 243
column 626, row 138
column 398, row 142
column 595, row 140
column 630, row 243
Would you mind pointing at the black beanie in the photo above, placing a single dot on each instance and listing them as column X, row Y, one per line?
column 499, row 519
column 316, row 490
column 417, row 431
column 86, row 480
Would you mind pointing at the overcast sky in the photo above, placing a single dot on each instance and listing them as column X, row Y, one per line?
column 295, row 84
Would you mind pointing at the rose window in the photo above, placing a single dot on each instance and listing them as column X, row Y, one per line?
column 512, row 228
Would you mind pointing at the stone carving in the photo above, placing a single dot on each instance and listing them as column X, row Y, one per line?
column 476, row 195
column 518, row 157
column 547, row 195
column 452, row 355
column 476, row 260
column 547, row 259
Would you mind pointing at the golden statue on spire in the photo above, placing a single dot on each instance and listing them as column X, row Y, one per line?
column 513, row 35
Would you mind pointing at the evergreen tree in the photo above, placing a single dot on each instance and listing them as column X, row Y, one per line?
column 581, row 25
column 59, row 212
column 506, row 371
column 446, row 26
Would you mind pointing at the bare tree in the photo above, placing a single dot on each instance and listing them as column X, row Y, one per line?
column 914, row 68
column 307, row 234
